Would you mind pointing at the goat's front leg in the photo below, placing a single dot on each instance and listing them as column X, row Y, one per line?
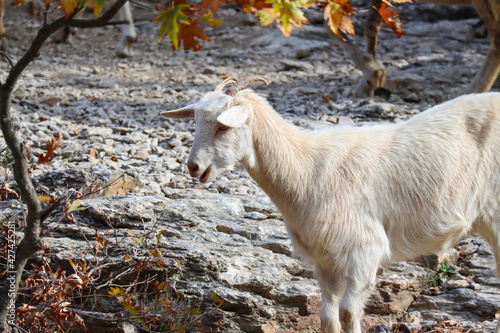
column 332, row 287
column 359, row 285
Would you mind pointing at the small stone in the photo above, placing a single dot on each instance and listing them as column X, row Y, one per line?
column 468, row 249
column 270, row 327
column 296, row 65
column 255, row 216
column 455, row 284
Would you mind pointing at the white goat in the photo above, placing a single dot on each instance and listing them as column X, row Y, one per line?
column 355, row 198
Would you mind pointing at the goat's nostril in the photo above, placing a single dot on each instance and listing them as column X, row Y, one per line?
column 193, row 167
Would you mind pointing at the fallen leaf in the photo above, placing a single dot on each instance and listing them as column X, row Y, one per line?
column 51, row 101
column 74, row 206
column 44, row 198
column 74, row 281
column 73, row 129
column 5, row 190
column 51, row 145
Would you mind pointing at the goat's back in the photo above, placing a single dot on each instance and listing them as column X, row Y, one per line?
column 440, row 175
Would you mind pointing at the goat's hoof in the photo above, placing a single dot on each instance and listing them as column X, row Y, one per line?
column 124, row 49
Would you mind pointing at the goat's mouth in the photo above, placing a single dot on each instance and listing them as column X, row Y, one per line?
column 204, row 176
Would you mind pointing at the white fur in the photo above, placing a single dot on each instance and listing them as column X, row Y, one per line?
column 354, row 198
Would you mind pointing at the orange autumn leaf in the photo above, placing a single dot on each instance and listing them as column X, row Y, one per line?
column 253, row 6
column 391, row 18
column 211, row 6
column 68, row 6
column 188, row 34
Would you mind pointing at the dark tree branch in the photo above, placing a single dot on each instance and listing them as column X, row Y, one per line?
column 31, row 243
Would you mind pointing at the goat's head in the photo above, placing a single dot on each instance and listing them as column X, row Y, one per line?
column 222, row 136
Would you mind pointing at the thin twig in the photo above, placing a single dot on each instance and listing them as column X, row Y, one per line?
column 5, row 55
column 102, row 188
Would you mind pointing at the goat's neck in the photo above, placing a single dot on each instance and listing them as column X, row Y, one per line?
column 284, row 158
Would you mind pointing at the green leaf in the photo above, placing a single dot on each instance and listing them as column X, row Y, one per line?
column 98, row 6
column 74, row 206
column 170, row 20
column 216, row 299
column 158, row 236
column 286, row 12
column 195, row 311
column 210, row 21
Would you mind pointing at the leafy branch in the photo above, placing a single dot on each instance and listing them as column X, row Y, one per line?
column 180, row 21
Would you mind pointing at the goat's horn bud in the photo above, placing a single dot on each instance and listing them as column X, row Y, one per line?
column 225, row 83
column 245, row 83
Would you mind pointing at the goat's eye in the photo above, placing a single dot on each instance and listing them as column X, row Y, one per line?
column 222, row 128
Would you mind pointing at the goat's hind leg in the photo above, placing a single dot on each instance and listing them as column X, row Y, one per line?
column 490, row 231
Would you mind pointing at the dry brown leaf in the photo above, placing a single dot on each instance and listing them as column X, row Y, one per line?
column 51, row 101
column 51, row 146
column 5, row 190
column 73, row 129
column 74, row 281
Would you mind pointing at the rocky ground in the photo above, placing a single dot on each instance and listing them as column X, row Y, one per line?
column 227, row 237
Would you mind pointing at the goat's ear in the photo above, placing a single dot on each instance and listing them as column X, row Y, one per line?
column 234, row 117
column 185, row 112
